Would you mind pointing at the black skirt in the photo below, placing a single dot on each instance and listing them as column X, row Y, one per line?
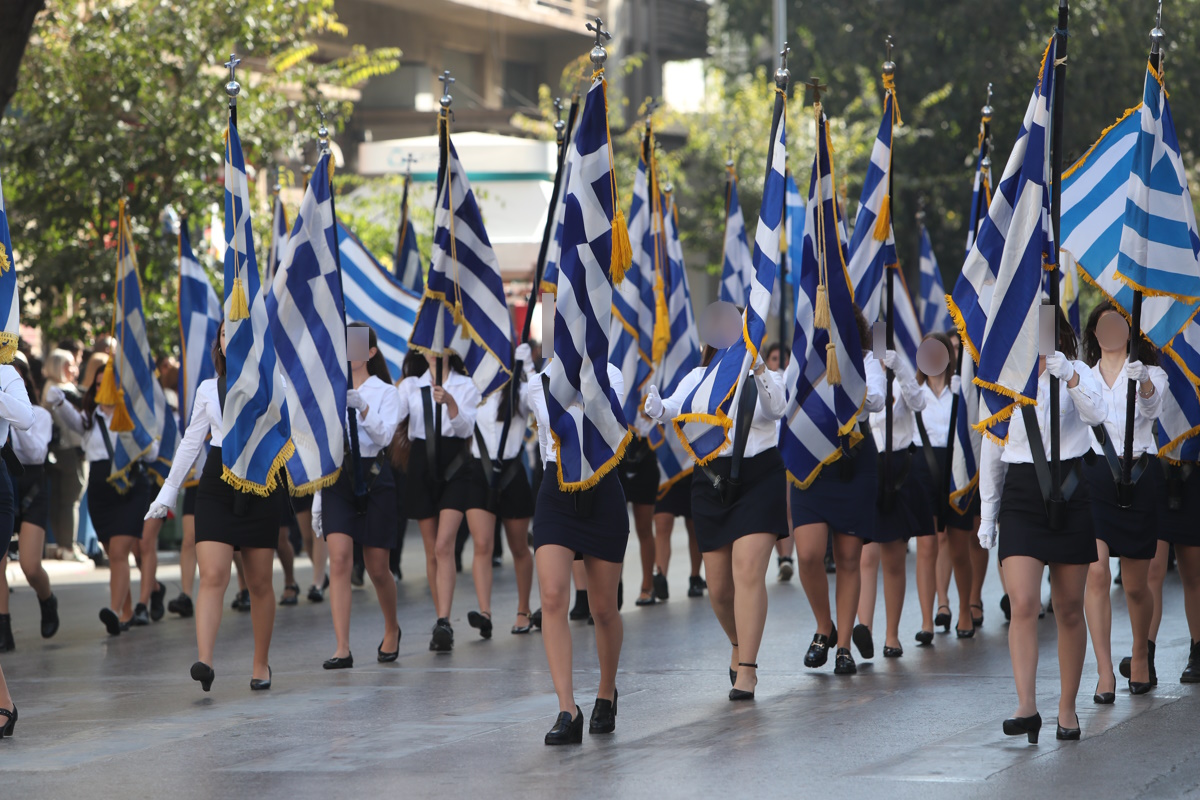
column 513, row 499
column 1181, row 525
column 638, row 471
column 758, row 506
column 33, row 498
column 1025, row 527
column 189, row 501
column 1128, row 532
column 7, row 509
column 910, row 511
column 232, row 517
column 112, row 513
column 596, row 526
column 678, row 500
column 935, row 489
column 843, row 494
column 374, row 528
column 427, row 493
column 301, row 503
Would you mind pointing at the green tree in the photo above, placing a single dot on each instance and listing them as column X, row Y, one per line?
column 126, row 99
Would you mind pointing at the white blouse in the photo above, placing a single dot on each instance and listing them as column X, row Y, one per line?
column 764, row 432
column 876, row 386
column 904, row 423
column 1146, row 411
column 206, row 420
column 382, row 419
column 936, row 414
column 533, row 396
column 94, row 448
column 32, row 445
column 460, row 387
column 15, row 408
column 491, row 426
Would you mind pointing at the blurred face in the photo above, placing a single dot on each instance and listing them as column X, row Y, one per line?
column 70, row 372
column 773, row 360
column 1112, row 332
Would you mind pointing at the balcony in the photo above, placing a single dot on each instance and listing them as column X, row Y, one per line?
column 519, row 17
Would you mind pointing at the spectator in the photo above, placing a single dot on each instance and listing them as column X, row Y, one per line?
column 67, row 470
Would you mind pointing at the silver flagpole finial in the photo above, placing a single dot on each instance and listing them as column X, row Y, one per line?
column 278, row 185
column 987, row 109
column 782, row 76
column 599, row 55
column 233, row 88
column 409, row 160
column 560, row 127
column 1157, row 35
column 729, row 156
column 322, row 133
column 447, row 82
column 889, row 66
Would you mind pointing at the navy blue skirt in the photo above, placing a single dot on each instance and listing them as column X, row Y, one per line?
column 935, row 489
column 678, row 500
column 1025, row 527
column 1128, row 532
column 843, row 494
column 1180, row 525
column 596, row 526
column 759, row 505
column 113, row 513
column 339, row 509
column 910, row 512
column 7, row 509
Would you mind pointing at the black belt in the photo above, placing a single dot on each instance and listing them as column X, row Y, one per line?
column 1177, row 476
column 729, row 488
column 499, row 473
column 1116, row 464
column 1055, row 508
column 935, row 470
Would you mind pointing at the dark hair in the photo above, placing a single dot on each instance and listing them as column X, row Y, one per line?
column 946, row 375
column 22, row 369
column 772, row 349
column 218, row 355
column 864, row 329
column 72, row 345
column 377, row 365
column 89, row 399
column 414, row 364
column 706, row 357
column 1068, row 345
column 1091, row 345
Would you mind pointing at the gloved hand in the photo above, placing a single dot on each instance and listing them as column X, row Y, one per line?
column 157, row 511
column 355, row 400
column 524, row 354
column 889, row 359
column 654, row 405
column 955, row 384
column 163, row 504
column 318, row 527
column 987, row 533
column 1060, row 366
column 1137, row 371
column 55, row 396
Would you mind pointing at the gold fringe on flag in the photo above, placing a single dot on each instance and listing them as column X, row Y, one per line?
column 884, row 220
column 238, row 308
column 107, row 394
column 622, row 250
column 833, row 373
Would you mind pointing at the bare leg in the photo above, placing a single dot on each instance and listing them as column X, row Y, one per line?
column 119, row 548
column 603, row 577
column 810, row 561
column 341, row 560
column 6, row 700
column 483, row 533
column 1098, row 606
column 1140, row 600
column 893, row 556
column 33, row 543
column 260, row 563
column 375, row 560
column 718, row 567
column 664, row 524
column 751, row 557
column 959, row 542
column 517, row 531
column 447, row 531
column 1156, row 576
column 1066, row 591
column 215, row 559
column 428, row 528
column 979, row 564
column 148, row 548
column 187, row 556
column 1025, row 594
column 554, row 582
column 287, row 559
column 847, row 557
column 943, row 568
column 643, row 524
column 694, row 547
column 315, row 546
column 929, row 555
column 870, row 584
column 241, row 576
column 579, row 575
column 1189, row 575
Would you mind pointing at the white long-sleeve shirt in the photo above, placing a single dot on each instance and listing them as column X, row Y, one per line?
column 876, row 386
column 33, row 444
column 206, row 420
column 460, row 387
column 15, row 408
column 764, row 432
column 376, row 429
column 93, row 439
column 904, row 424
column 534, row 397
column 1146, row 411
column 491, row 426
column 1079, row 409
column 936, row 414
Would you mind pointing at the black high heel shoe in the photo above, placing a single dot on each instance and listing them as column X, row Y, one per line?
column 8, row 728
column 204, row 674
column 844, row 663
column 482, row 622
column 964, row 634
column 567, row 730
column 942, row 620
column 977, row 621
column 604, row 715
column 1136, row 687
column 1028, row 726
column 340, row 663
column 519, row 629
column 387, row 658
column 924, row 638
column 892, row 652
column 732, row 674
column 738, row 694
column 1068, row 734
column 818, row 651
column 257, row 685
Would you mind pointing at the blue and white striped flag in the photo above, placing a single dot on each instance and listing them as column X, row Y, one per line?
column 873, row 243
column 1014, row 244
column 374, row 296
column 820, row 419
column 796, row 207
column 9, row 293
column 464, row 307
column 254, row 425
column 1179, row 421
column 706, row 417
column 279, row 242
column 631, row 335
column 407, row 261
column 737, row 263
column 935, row 317
column 308, row 326
column 199, row 321
column 589, row 428
column 142, row 394
column 907, row 330
column 981, row 189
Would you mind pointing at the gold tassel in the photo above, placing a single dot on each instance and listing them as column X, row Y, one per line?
column 458, row 312
column 107, row 394
column 662, row 322
column 121, row 421
column 622, row 251
column 883, row 221
column 821, row 315
column 833, row 374
column 238, row 309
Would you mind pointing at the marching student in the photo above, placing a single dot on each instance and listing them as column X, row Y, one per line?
column 1012, row 501
column 500, row 488
column 345, row 518
column 1177, row 528
column 227, row 520
column 677, row 502
column 439, row 479
column 1129, row 533
column 785, row 549
column 15, row 413
column 638, row 472
column 736, row 508
column 117, row 517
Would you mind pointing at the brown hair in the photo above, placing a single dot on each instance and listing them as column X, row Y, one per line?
column 218, row 355
column 377, row 365
column 706, row 356
column 1091, row 345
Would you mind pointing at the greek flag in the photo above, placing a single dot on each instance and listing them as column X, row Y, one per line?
column 1179, row 420
column 257, row 439
column 968, row 442
column 631, row 333
column 907, row 329
column 308, row 326
column 9, row 293
column 704, row 422
column 796, row 207
column 142, row 394
column 1106, row 199
column 935, row 317
column 588, row 425
column 408, row 258
column 554, row 250
column 819, row 424
column 1014, row 244
column 737, row 264
column 464, row 295
column 981, row 191
column 199, row 321
column 375, row 296
column 873, row 243
column 279, row 242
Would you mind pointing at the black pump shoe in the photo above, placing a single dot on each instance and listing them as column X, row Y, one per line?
column 482, row 622
column 10, row 726
column 969, row 633
column 581, row 609
column 443, row 637
column 387, row 658
column 977, row 621
column 861, row 636
column 204, row 674
column 1006, row 607
column 661, row 589
column 696, row 586
column 818, row 651
column 257, row 685
column 1140, row 688
column 1028, row 726
column 49, row 616
column 1191, row 673
column 892, row 652
column 1103, row 698
column 112, row 623
column 340, row 663
column 924, row 638
column 844, row 663
column 942, row 620
column 604, row 715
column 738, row 694
column 567, row 730
column 1068, row 734
column 6, row 638
column 157, row 609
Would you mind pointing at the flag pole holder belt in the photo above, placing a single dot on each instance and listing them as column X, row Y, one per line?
column 935, row 470
column 499, row 472
column 728, row 489
column 888, row 489
column 1125, row 491
column 431, row 447
column 585, row 500
column 848, row 463
column 1177, row 476
column 1056, row 506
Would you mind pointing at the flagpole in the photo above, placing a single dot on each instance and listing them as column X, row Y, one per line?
column 1056, row 168
column 889, row 70
column 783, row 254
column 442, row 179
column 1125, row 487
column 402, row 232
column 560, row 134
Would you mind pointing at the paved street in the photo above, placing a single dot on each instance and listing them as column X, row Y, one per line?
column 120, row 718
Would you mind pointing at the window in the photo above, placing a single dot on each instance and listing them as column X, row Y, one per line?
column 520, row 84
column 397, row 90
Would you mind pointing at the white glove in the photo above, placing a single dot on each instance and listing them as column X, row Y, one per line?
column 987, row 533
column 524, row 354
column 355, row 400
column 889, row 359
column 955, row 384
column 157, row 511
column 162, row 504
column 318, row 528
column 654, row 404
column 1060, row 366
column 1137, row 371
